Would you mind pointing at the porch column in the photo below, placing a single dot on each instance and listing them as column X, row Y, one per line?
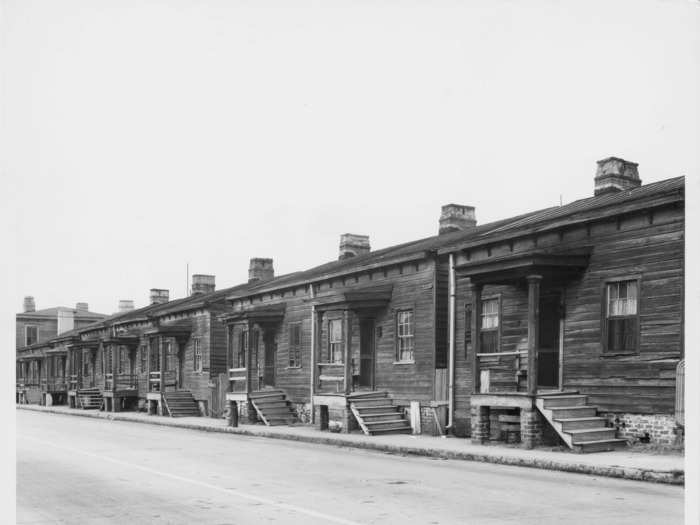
column 229, row 356
column 347, row 331
column 476, row 289
column 249, row 360
column 161, row 351
column 318, row 347
column 533, row 336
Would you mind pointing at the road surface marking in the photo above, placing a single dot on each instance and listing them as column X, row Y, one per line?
column 234, row 492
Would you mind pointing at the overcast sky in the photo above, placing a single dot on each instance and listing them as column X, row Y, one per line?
column 145, row 135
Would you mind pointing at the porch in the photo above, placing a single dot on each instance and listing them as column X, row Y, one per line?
column 252, row 384
column 523, row 384
column 166, row 389
column 120, row 384
column 344, row 389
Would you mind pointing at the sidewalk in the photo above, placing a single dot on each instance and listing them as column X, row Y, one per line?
column 617, row 464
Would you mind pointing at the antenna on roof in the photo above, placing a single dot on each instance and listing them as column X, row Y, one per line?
column 187, row 282
column 560, row 200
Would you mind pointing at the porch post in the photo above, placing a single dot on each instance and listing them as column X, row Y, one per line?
column 319, row 347
column 249, row 360
column 347, row 376
column 533, row 336
column 161, row 351
column 229, row 351
column 149, row 342
column 476, row 289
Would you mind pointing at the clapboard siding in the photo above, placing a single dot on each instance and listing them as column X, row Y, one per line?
column 414, row 285
column 651, row 247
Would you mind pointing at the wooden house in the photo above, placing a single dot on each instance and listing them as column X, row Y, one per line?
column 165, row 358
column 569, row 321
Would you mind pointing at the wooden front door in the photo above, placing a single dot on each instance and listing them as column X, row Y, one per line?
column 548, row 351
column 181, row 366
column 270, row 359
column 366, row 353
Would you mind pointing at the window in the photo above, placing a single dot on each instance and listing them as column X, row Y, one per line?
column 144, row 358
column 404, row 333
column 155, row 355
column 124, row 365
column 169, row 355
column 295, row 345
column 621, row 327
column 335, row 341
column 197, row 352
column 242, row 349
column 489, row 325
column 31, row 334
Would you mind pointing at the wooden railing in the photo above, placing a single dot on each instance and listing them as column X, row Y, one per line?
column 154, row 380
column 331, row 378
column 238, row 380
column 73, row 382
column 126, row 381
column 502, row 371
column 56, row 384
column 108, row 382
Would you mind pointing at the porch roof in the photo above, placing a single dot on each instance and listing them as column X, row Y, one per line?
column 121, row 340
column 258, row 314
column 180, row 329
column 508, row 268
column 365, row 297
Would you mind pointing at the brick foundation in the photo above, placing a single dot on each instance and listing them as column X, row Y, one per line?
column 657, row 428
column 530, row 427
column 480, row 424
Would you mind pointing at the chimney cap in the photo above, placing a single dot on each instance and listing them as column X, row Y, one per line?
column 29, row 304
column 615, row 174
column 456, row 217
column 81, row 307
column 203, row 283
column 352, row 245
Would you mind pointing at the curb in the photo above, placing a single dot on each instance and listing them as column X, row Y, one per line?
column 672, row 477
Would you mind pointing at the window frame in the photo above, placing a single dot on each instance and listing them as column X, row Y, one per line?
column 330, row 349
column 197, row 358
column 295, row 349
column 243, row 348
column 497, row 329
column 398, row 338
column 604, row 328
column 26, row 330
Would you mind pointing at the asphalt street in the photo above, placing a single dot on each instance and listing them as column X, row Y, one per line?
column 81, row 470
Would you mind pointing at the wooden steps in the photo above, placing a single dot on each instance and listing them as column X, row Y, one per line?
column 376, row 414
column 272, row 407
column 180, row 403
column 89, row 398
column 577, row 423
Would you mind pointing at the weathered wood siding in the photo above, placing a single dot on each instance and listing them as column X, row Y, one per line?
column 413, row 288
column 644, row 244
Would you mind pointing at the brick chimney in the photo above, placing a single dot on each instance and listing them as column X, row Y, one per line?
column 202, row 284
column 159, row 296
column 615, row 174
column 352, row 245
column 126, row 305
column 456, row 217
column 29, row 305
column 260, row 269
column 81, row 308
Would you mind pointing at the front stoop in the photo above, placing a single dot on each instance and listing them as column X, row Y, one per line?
column 376, row 413
column 577, row 423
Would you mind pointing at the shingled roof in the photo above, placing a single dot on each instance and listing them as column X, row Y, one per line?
column 479, row 235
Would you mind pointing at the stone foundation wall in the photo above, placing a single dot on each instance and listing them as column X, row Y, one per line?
column 652, row 428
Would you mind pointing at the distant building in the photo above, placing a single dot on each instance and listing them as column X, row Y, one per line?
column 37, row 326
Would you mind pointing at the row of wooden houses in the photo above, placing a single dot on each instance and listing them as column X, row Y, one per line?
column 564, row 325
